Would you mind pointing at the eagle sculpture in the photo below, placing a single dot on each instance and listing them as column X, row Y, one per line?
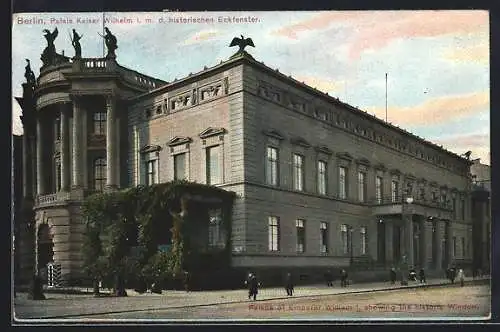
column 242, row 43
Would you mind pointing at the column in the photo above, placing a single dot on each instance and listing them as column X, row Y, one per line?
column 118, row 150
column 65, row 180
column 111, row 142
column 424, row 243
column 39, row 157
column 84, row 140
column 439, row 244
column 77, row 134
column 26, row 166
column 408, row 240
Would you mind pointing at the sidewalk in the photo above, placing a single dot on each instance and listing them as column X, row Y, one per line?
column 66, row 306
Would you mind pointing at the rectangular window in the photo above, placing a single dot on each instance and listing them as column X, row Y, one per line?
column 344, row 238
column 364, row 240
column 394, row 191
column 342, row 183
column 215, row 235
column 213, row 165
column 58, row 174
column 434, row 197
column 272, row 166
column 454, row 202
column 463, row 209
column 463, row 248
column 301, row 235
column 361, row 186
column 273, row 228
column 152, row 170
column 454, row 246
column 99, row 120
column 443, row 200
column 324, row 238
column 378, row 189
column 180, row 166
column 422, row 194
column 298, row 172
column 321, row 177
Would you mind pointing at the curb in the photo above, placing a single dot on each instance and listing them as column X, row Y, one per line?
column 396, row 288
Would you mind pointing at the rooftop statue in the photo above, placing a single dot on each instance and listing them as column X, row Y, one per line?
column 75, row 41
column 111, row 43
column 241, row 43
column 29, row 75
column 49, row 53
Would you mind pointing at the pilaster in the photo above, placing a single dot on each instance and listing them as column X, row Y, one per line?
column 65, row 167
column 77, row 143
column 39, row 156
column 111, row 144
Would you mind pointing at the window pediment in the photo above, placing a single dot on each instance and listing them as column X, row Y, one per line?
column 210, row 131
column 300, row 141
column 363, row 161
column 410, row 176
column 273, row 134
column 395, row 171
column 345, row 156
column 150, row 148
column 178, row 140
column 380, row 167
column 323, row 149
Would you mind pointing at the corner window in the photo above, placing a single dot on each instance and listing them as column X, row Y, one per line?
column 213, row 165
column 99, row 123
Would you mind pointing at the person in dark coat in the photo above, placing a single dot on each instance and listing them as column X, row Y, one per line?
column 393, row 275
column 343, row 278
column 253, row 287
column 289, row 285
column 412, row 275
column 421, row 275
column 451, row 274
column 329, row 278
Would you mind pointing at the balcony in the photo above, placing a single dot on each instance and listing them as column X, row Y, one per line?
column 388, row 205
column 52, row 199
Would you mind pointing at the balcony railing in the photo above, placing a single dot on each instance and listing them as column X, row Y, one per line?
column 401, row 199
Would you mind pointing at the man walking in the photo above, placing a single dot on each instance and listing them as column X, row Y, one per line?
column 289, row 284
column 422, row 276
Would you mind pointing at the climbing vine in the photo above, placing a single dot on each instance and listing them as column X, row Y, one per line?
column 124, row 229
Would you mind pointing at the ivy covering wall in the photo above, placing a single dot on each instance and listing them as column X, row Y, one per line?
column 124, row 229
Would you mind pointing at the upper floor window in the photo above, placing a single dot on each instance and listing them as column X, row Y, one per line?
column 362, row 186
column 99, row 121
column 342, row 182
column 272, row 166
column 378, row 189
column 394, row 191
column 99, row 169
column 321, row 177
column 298, row 172
column 213, row 165
column 152, row 172
column 301, row 235
column 422, row 193
column 273, row 231
column 180, row 166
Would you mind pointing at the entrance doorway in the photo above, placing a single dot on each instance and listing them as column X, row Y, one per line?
column 45, row 248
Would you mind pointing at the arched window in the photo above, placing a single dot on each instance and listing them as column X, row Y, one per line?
column 99, row 173
column 99, row 120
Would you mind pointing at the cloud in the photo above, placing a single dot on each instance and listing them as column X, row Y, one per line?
column 436, row 110
column 418, row 24
column 478, row 144
column 477, row 53
column 201, row 36
column 321, row 84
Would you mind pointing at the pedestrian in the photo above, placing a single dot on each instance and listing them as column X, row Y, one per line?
column 461, row 277
column 329, row 278
column 253, row 287
column 247, row 283
column 343, row 278
column 187, row 281
column 422, row 276
column 412, row 275
column 453, row 274
column 289, row 284
column 393, row 275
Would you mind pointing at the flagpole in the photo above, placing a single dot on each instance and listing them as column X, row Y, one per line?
column 385, row 97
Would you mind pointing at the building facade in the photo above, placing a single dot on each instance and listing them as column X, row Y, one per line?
column 481, row 214
column 320, row 184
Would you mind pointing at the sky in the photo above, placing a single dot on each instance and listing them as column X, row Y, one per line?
column 437, row 62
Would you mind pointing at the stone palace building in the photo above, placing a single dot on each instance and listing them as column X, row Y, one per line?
column 320, row 184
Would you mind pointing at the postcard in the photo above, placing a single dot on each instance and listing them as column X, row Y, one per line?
column 185, row 167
